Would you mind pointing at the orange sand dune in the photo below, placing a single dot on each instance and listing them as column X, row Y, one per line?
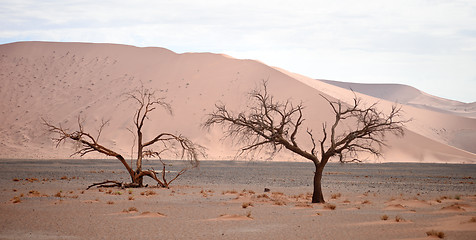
column 59, row 81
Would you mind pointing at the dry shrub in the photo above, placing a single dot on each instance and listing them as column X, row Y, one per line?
column 384, row 217
column 247, row 204
column 110, row 202
column 303, row 205
column 34, row 193
column 264, row 195
column 229, row 192
column 117, row 193
column 148, row 193
column 131, row 198
column 58, row 194
column 329, row 206
column 279, row 202
column 16, row 199
column 434, row 233
column 399, row 219
column 336, row 195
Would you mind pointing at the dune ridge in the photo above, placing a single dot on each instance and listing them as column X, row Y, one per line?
column 59, row 81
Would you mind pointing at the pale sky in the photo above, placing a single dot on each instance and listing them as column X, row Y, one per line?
column 429, row 44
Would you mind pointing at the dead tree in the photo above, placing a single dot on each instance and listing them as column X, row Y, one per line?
column 147, row 102
column 275, row 125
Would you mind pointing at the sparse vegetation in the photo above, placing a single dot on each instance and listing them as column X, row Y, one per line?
column 399, row 219
column 336, row 195
column 329, row 206
column 247, row 204
column 16, row 199
column 303, row 205
column 434, row 233
column 148, row 193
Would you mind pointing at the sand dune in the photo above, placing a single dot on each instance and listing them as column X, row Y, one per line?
column 410, row 96
column 59, row 81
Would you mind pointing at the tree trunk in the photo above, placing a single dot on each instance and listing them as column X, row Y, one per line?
column 317, row 196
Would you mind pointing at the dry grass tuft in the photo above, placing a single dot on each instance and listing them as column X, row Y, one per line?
column 247, row 204
column 384, row 217
column 34, row 193
column 434, row 233
column 148, row 193
column 399, row 219
column 229, row 192
column 264, row 195
column 58, row 194
column 303, row 205
column 473, row 219
column 336, row 196
column 248, row 214
column 279, row 202
column 110, row 202
column 131, row 198
column 16, row 180
column 366, row 202
column 16, row 199
column 64, row 178
column 329, row 206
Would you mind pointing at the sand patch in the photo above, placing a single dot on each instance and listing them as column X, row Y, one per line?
column 149, row 215
column 456, row 223
column 234, row 217
column 455, row 207
column 395, row 207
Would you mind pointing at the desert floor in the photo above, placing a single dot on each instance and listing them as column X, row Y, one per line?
column 47, row 199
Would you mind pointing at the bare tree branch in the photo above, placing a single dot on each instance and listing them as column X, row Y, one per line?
column 274, row 125
column 147, row 102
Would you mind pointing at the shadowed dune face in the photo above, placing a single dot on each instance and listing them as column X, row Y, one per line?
column 60, row 81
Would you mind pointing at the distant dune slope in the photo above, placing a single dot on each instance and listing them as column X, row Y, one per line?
column 59, row 81
column 410, row 96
